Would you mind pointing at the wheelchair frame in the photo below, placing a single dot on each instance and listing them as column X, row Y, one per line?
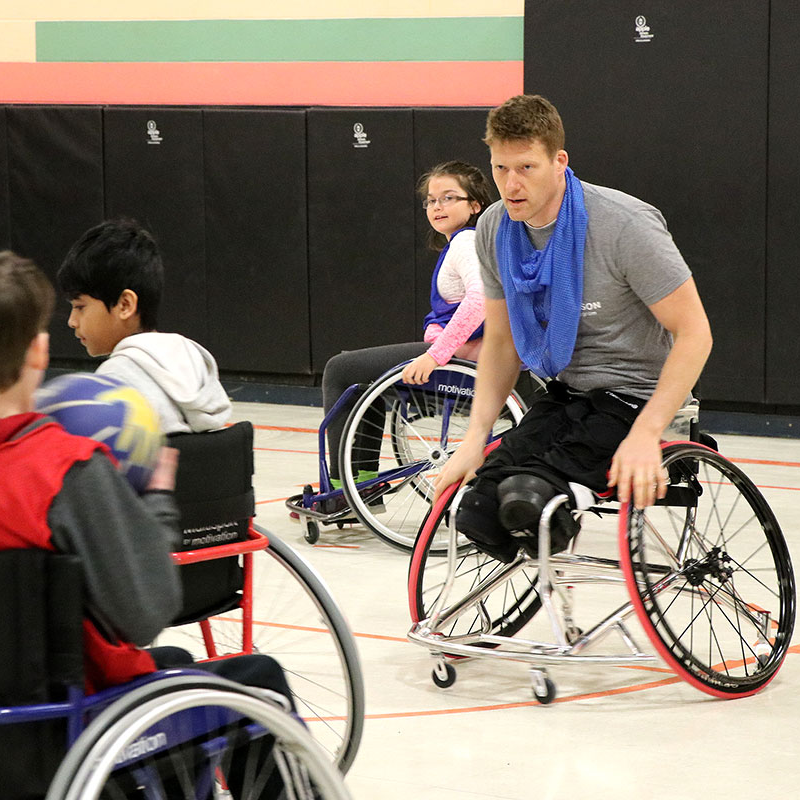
column 223, row 637
column 213, row 734
column 354, row 498
column 698, row 570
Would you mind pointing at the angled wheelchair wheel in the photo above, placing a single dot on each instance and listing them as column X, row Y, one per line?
column 297, row 622
column 202, row 738
column 509, row 607
column 710, row 576
column 407, row 433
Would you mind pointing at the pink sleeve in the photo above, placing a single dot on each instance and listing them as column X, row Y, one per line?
column 470, row 312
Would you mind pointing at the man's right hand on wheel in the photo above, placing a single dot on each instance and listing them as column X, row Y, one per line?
column 461, row 466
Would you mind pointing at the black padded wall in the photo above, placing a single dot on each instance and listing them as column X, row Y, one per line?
column 442, row 134
column 256, row 264
column 55, row 169
column 360, row 229
column 674, row 114
column 154, row 173
column 5, row 227
column 783, row 218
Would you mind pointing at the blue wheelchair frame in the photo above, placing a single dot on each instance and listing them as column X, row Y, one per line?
column 304, row 504
column 79, row 710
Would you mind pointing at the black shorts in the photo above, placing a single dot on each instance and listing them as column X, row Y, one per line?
column 565, row 436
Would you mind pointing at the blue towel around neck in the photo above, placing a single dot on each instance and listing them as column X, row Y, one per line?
column 544, row 288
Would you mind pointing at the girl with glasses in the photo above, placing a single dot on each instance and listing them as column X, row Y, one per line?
column 453, row 195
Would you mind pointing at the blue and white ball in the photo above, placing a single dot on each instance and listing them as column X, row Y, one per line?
column 107, row 410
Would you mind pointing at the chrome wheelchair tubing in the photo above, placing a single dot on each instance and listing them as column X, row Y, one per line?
column 429, row 632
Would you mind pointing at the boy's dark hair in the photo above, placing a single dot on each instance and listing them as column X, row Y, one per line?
column 26, row 304
column 523, row 118
column 111, row 257
column 472, row 181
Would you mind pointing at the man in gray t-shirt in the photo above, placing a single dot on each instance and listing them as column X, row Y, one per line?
column 630, row 262
column 642, row 334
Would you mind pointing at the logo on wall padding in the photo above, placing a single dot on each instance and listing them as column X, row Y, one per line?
column 153, row 134
column 642, row 30
column 360, row 136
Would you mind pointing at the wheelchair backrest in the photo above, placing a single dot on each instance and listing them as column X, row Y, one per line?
column 214, row 494
column 41, row 597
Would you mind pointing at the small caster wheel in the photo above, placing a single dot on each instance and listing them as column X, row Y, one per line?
column 443, row 674
column 312, row 531
column 544, row 691
column 340, row 525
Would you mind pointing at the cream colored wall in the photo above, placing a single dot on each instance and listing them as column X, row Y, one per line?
column 252, row 9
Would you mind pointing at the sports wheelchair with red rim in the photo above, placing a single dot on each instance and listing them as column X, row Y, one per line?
column 707, row 573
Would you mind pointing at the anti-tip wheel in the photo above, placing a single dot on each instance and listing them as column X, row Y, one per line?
column 312, row 531
column 443, row 674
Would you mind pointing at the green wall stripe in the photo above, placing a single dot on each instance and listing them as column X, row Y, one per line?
column 429, row 39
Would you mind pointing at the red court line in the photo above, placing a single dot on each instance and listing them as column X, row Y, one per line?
column 284, row 450
column 765, row 462
column 339, row 547
column 286, row 428
column 287, row 627
column 640, row 687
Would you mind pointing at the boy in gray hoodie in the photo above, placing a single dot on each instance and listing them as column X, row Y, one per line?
column 114, row 278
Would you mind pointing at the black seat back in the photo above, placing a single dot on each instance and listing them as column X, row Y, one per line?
column 214, row 494
column 41, row 597
column 41, row 601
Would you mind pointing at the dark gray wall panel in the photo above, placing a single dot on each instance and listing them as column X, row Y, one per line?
column 154, row 173
column 55, row 167
column 442, row 134
column 783, row 219
column 257, row 268
column 680, row 121
column 5, row 226
column 361, row 229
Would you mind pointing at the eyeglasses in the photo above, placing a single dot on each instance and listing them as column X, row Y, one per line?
column 444, row 200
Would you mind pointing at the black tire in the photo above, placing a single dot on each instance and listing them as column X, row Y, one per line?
column 548, row 695
column 510, row 608
column 446, row 680
column 312, row 531
column 702, row 566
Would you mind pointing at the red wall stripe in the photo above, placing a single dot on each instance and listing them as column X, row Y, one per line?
column 450, row 83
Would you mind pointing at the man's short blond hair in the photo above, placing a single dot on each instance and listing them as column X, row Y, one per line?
column 526, row 117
